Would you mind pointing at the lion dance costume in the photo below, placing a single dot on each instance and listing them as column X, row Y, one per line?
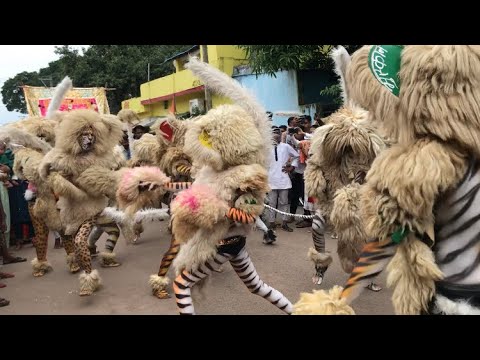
column 420, row 200
column 229, row 146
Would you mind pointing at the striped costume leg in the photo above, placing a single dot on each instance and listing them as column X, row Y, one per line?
column 186, row 280
column 160, row 281
column 107, row 257
column 374, row 258
column 97, row 231
column 317, row 254
column 243, row 266
column 40, row 264
column 70, row 250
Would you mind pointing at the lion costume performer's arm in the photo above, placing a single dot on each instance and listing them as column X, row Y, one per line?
column 346, row 219
column 130, row 118
column 315, row 183
column 63, row 187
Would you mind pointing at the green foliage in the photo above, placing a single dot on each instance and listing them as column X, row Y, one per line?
column 12, row 92
column 269, row 59
column 123, row 67
column 333, row 91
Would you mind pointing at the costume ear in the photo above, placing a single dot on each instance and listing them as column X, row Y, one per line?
column 166, row 130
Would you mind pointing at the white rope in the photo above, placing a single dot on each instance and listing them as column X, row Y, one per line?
column 288, row 214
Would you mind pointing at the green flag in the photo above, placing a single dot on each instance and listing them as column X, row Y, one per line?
column 384, row 62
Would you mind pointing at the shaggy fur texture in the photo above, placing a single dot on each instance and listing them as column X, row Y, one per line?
column 41, row 265
column 151, row 215
column 412, row 274
column 198, row 207
column 450, row 307
column 128, row 116
column 403, row 196
column 224, row 85
column 100, row 180
column 345, row 217
column 158, row 282
column 235, row 139
column 106, row 129
column 229, row 147
column 436, row 122
column 172, row 157
column 348, row 144
column 132, row 194
column 67, row 161
column 146, row 151
column 60, row 91
column 322, row 303
column 440, row 94
column 341, row 59
column 25, row 166
column 89, row 282
column 317, row 258
column 119, row 158
column 20, row 136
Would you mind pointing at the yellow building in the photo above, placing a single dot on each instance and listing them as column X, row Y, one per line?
column 181, row 92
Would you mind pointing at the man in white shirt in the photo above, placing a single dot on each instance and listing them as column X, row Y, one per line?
column 279, row 182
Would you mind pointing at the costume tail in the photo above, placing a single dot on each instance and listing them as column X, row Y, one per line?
column 58, row 96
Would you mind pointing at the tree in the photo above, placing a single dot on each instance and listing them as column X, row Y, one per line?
column 269, row 59
column 12, row 92
column 123, row 67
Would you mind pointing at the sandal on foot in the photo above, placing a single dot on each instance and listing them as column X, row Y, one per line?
column 374, row 287
column 4, row 302
column 17, row 259
column 6, row 275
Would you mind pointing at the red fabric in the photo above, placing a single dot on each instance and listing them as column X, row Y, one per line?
column 304, row 149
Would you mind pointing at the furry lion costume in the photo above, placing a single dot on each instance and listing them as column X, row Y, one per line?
column 30, row 140
column 230, row 147
column 84, row 139
column 420, row 201
column 340, row 155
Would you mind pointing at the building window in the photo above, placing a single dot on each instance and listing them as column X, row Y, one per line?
column 165, row 104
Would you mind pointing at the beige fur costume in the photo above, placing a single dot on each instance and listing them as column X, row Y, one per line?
column 422, row 211
column 230, row 145
column 30, row 139
column 80, row 206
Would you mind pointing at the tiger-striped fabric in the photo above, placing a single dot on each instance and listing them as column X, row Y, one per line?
column 457, row 232
column 244, row 268
column 177, row 186
column 109, row 227
column 183, row 169
column 168, row 257
column 318, row 232
column 374, row 258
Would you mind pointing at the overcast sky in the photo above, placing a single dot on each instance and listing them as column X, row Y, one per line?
column 17, row 58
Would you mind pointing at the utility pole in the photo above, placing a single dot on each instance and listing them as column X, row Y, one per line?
column 148, row 72
column 208, row 99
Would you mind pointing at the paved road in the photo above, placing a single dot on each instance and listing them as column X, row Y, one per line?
column 125, row 289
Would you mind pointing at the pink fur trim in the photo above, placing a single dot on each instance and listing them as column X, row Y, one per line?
column 193, row 197
column 31, row 186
